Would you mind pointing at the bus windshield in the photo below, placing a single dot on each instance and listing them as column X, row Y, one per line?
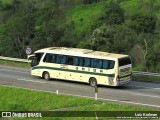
column 38, row 56
column 35, row 59
column 124, row 61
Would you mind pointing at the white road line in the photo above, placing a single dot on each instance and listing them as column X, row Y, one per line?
column 31, row 81
column 145, row 95
column 134, row 103
column 144, row 87
column 13, row 71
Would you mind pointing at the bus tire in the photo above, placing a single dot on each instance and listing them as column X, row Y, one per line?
column 46, row 76
column 93, row 82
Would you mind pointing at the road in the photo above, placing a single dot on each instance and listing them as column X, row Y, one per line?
column 136, row 93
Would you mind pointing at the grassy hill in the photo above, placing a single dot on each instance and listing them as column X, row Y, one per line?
column 125, row 27
column 85, row 15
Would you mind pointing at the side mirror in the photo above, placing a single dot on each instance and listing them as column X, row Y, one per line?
column 34, row 61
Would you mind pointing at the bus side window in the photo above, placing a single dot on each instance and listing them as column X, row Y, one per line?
column 111, row 64
column 105, row 64
column 70, row 60
column 47, row 58
column 53, row 58
column 99, row 64
column 75, row 61
column 93, row 63
column 81, row 62
column 58, row 60
column 63, row 59
column 87, row 62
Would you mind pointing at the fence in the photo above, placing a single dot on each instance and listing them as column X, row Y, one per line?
column 26, row 61
column 14, row 59
column 145, row 73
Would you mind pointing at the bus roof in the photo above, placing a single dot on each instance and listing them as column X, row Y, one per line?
column 80, row 52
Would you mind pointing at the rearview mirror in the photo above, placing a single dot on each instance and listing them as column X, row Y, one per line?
column 34, row 61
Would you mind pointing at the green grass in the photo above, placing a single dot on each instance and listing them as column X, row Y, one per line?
column 13, row 63
column 85, row 15
column 21, row 99
column 6, row 1
column 16, row 99
column 132, row 6
column 146, row 78
column 129, row 5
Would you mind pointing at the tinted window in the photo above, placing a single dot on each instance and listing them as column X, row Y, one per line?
column 111, row 64
column 70, row 60
column 75, row 61
column 108, row 64
column 81, row 62
column 87, row 62
column 48, row 58
column 63, row 59
column 39, row 56
column 78, row 61
column 93, row 63
column 105, row 64
column 52, row 58
column 97, row 63
column 124, row 61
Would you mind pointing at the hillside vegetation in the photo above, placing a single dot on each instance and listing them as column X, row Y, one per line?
column 120, row 26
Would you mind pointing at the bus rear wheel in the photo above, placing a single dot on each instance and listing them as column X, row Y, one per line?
column 93, row 82
column 46, row 76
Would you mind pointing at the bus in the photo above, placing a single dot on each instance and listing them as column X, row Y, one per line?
column 82, row 65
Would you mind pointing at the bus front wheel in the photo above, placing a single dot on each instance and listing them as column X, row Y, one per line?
column 93, row 82
column 46, row 76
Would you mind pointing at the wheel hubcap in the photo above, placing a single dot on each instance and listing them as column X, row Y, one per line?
column 46, row 76
column 93, row 83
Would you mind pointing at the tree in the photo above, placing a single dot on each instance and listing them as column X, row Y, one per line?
column 90, row 1
column 153, row 58
column 114, row 14
column 144, row 23
column 102, row 38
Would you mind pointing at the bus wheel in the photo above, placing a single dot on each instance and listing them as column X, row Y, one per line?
column 93, row 82
column 46, row 76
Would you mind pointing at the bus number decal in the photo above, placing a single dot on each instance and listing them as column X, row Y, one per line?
column 76, row 68
column 83, row 68
column 101, row 71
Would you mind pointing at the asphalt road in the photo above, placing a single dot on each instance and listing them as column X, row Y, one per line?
column 136, row 93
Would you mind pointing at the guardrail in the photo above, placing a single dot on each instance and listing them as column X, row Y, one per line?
column 146, row 73
column 26, row 61
column 14, row 59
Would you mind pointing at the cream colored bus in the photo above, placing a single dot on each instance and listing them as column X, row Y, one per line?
column 82, row 65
